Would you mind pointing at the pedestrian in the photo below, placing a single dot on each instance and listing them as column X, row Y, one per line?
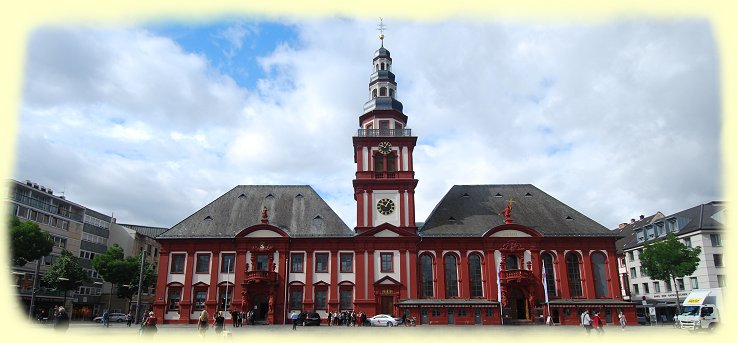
column 219, row 323
column 202, row 324
column 586, row 322
column 404, row 318
column 622, row 320
column 363, row 318
column 598, row 324
column 294, row 317
column 148, row 328
column 234, row 317
column 106, row 319
column 61, row 320
column 128, row 319
column 330, row 317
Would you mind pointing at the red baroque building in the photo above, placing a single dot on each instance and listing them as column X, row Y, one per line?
column 485, row 255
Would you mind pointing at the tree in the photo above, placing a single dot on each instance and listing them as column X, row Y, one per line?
column 65, row 273
column 123, row 271
column 669, row 259
column 28, row 242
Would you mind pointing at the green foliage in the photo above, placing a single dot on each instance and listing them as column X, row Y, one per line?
column 28, row 241
column 123, row 271
column 669, row 258
column 65, row 267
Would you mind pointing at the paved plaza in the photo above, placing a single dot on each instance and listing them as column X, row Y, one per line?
column 269, row 333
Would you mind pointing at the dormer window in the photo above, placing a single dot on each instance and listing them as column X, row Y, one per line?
column 672, row 225
column 640, row 235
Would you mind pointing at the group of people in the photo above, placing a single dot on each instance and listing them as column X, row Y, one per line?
column 346, row 318
column 595, row 322
column 218, row 321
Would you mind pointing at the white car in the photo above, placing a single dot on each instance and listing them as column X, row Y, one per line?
column 114, row 317
column 384, row 320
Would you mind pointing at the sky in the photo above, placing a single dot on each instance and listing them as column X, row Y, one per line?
column 152, row 122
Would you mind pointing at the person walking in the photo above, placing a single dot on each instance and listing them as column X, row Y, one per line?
column 106, row 319
column 61, row 320
column 622, row 320
column 219, row 323
column 404, row 318
column 586, row 322
column 330, row 318
column 128, row 319
column 202, row 324
column 294, row 317
column 598, row 324
column 149, row 325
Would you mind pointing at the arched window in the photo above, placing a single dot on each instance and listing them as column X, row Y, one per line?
column 598, row 266
column 426, row 270
column 391, row 92
column 382, row 65
column 451, row 276
column 549, row 274
column 474, row 274
column 574, row 275
column 373, row 93
column 512, row 262
column 382, row 91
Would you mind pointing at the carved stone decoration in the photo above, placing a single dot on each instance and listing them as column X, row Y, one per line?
column 264, row 216
column 511, row 246
column 505, row 298
column 529, row 265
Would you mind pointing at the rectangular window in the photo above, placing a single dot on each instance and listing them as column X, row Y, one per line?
column 321, row 263
column 631, row 256
column 461, row 312
column 716, row 241
column 203, row 263
column 681, row 285
column 298, row 261
column 633, row 272
column 668, row 286
column 346, row 298
column 321, row 298
column 694, row 282
column 346, row 263
column 718, row 260
column 227, row 263
column 387, row 262
column 642, row 272
column 656, row 287
column 200, row 296
column 295, row 298
column 721, row 282
column 175, row 295
column 489, row 312
column 177, row 263
column 262, row 262
column 435, row 312
column 687, row 242
column 637, row 288
column 645, row 288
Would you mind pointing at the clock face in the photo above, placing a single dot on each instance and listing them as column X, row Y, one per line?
column 385, row 206
column 385, row 147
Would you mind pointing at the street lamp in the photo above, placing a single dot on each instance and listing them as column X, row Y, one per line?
column 140, row 284
column 63, row 279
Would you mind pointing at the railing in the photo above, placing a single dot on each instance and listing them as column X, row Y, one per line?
column 38, row 204
column 384, row 132
column 517, row 274
column 384, row 175
column 261, row 275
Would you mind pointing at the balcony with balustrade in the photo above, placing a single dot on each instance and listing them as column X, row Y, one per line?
column 260, row 277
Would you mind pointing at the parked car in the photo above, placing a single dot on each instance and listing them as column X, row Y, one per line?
column 114, row 317
column 642, row 319
column 308, row 319
column 384, row 320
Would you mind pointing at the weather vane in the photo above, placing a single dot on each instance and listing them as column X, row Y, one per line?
column 381, row 27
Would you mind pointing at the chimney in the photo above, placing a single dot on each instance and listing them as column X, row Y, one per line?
column 642, row 217
column 632, row 220
column 621, row 225
column 29, row 183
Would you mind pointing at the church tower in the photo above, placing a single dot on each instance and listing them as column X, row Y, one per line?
column 384, row 187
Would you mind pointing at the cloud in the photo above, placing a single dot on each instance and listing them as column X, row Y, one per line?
column 615, row 119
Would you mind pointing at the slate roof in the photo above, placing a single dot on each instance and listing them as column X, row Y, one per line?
column 298, row 210
column 628, row 230
column 700, row 217
column 149, row 231
column 471, row 210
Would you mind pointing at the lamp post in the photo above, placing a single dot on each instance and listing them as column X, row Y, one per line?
column 140, row 284
column 63, row 279
column 33, row 288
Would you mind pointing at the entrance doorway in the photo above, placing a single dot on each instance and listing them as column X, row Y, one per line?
column 387, row 305
column 451, row 316
column 260, row 306
column 518, row 303
column 423, row 316
column 477, row 316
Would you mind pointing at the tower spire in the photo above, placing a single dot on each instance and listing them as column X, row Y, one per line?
column 381, row 27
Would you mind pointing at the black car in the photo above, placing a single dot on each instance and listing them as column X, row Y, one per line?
column 308, row 319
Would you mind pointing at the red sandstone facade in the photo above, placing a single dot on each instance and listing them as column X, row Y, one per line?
column 449, row 271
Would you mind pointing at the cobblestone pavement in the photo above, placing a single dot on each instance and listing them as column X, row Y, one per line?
column 279, row 333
